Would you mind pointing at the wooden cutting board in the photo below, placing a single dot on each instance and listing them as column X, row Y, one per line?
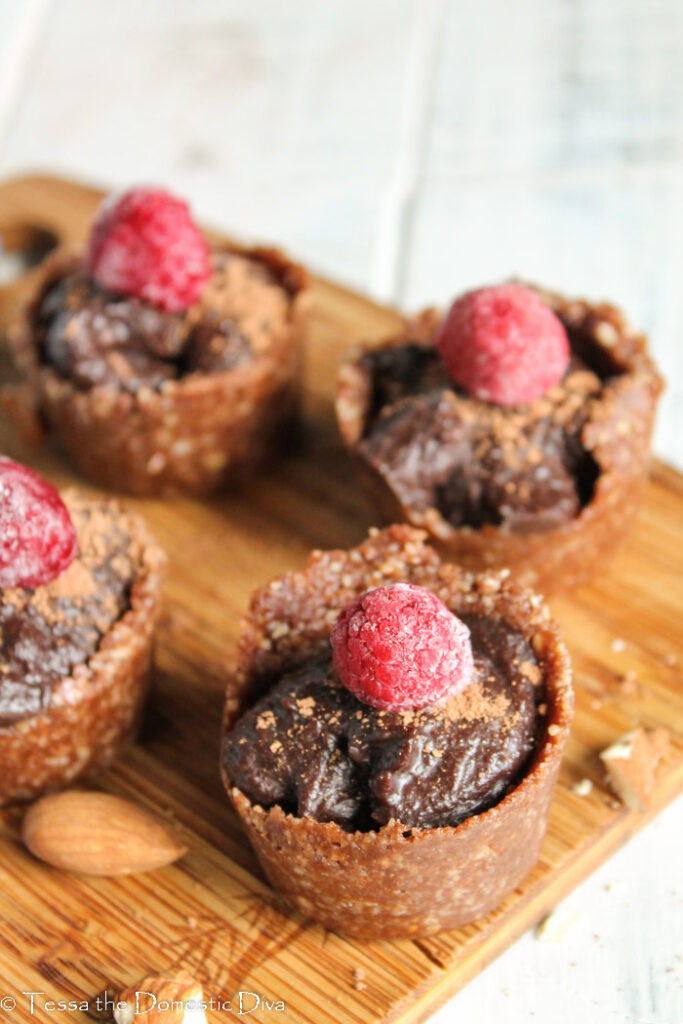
column 212, row 913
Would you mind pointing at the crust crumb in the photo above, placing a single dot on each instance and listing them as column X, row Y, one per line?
column 358, row 981
column 531, row 671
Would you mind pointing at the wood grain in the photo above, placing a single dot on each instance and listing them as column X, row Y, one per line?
column 212, row 912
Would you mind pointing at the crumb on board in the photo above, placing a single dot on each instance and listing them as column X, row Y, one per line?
column 583, row 787
column 628, row 684
column 631, row 762
column 358, row 980
column 618, row 645
column 556, row 926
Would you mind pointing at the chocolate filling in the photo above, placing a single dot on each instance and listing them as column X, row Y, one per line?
column 46, row 632
column 93, row 337
column 310, row 746
column 521, row 467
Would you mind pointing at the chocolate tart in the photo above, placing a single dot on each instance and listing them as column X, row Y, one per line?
column 421, row 445
column 397, row 880
column 206, row 398
column 98, row 617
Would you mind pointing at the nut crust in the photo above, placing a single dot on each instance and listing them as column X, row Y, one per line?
column 617, row 434
column 95, row 711
column 397, row 882
column 192, row 435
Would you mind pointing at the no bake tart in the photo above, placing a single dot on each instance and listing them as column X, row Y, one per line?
column 160, row 364
column 515, row 429
column 80, row 592
column 381, row 815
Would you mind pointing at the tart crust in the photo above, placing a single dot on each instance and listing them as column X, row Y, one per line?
column 397, row 882
column 191, row 436
column 617, row 435
column 95, row 711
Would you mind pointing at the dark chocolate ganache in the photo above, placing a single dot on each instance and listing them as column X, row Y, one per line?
column 315, row 750
column 93, row 337
column 47, row 631
column 521, row 467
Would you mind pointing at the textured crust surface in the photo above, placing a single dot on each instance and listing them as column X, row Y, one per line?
column 398, row 881
column 191, row 436
column 617, row 434
column 96, row 710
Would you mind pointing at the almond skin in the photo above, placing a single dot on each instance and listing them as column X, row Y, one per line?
column 98, row 834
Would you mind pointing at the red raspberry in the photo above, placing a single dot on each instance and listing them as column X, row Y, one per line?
column 400, row 647
column 37, row 537
column 503, row 345
column 146, row 245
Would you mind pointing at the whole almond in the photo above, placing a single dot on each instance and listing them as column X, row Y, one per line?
column 98, row 834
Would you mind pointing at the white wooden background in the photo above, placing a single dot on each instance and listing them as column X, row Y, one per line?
column 413, row 148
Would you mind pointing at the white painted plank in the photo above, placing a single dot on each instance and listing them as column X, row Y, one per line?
column 279, row 121
column 21, row 22
column 531, row 87
column 403, row 183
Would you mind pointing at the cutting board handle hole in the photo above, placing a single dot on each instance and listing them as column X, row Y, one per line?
column 22, row 247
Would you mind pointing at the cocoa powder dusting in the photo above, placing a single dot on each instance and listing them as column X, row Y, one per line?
column 47, row 631
column 313, row 748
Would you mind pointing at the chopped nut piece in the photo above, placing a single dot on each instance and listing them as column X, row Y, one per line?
column 175, row 1000
column 555, row 926
column 631, row 763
